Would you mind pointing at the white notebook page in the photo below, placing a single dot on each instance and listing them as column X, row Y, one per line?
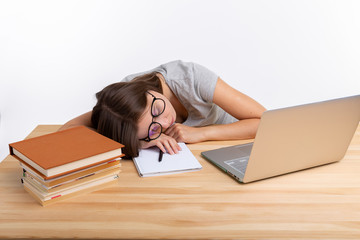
column 147, row 163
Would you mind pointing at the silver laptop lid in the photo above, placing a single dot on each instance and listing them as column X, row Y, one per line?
column 300, row 137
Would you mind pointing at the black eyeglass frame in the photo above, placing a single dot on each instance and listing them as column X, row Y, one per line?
column 148, row 138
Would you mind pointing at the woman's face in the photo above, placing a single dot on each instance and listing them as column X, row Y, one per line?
column 166, row 119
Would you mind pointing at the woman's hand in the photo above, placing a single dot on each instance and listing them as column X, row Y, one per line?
column 165, row 143
column 186, row 134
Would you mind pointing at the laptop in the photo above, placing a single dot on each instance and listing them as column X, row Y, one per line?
column 291, row 139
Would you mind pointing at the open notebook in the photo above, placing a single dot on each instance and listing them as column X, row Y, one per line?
column 147, row 163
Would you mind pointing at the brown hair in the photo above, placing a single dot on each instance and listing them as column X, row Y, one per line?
column 119, row 107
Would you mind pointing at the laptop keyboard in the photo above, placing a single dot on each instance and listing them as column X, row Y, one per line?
column 239, row 164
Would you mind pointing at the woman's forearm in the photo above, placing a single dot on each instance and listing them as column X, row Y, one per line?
column 84, row 119
column 242, row 129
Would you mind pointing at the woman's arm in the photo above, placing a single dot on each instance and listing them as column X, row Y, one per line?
column 83, row 119
column 237, row 104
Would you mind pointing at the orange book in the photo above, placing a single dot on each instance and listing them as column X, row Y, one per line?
column 66, row 151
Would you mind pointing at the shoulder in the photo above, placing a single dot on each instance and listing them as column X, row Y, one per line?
column 177, row 68
column 180, row 69
column 198, row 80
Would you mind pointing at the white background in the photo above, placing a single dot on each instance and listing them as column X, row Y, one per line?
column 55, row 55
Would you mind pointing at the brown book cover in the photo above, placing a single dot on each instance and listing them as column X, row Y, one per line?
column 65, row 151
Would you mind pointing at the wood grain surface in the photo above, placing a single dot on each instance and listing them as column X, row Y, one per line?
column 319, row 203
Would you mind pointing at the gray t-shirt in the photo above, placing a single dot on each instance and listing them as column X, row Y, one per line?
column 194, row 86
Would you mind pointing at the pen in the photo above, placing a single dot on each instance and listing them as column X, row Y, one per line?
column 160, row 155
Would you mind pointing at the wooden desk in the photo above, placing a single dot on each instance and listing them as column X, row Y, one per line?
column 318, row 203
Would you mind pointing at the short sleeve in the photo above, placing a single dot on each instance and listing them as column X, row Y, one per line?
column 205, row 82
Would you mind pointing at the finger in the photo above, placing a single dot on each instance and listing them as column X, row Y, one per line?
column 168, row 147
column 161, row 147
column 174, row 145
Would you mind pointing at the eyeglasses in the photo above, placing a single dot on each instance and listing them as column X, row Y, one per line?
column 155, row 128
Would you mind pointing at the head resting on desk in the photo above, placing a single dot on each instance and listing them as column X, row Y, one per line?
column 120, row 106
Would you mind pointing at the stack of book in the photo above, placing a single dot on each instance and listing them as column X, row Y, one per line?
column 67, row 163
